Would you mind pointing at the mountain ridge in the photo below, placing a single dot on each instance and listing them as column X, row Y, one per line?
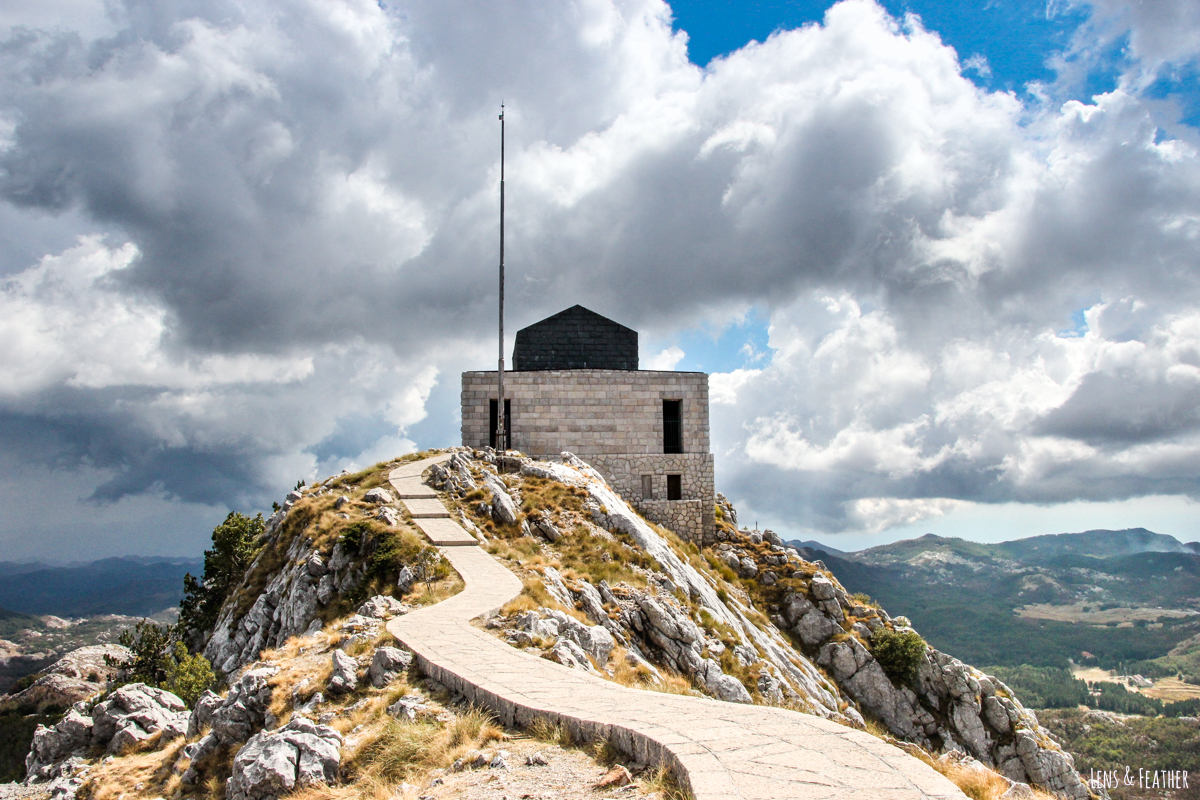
column 1097, row 543
column 133, row 586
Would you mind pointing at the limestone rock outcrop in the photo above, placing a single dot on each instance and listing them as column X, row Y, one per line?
column 230, row 720
column 345, row 674
column 129, row 716
column 296, row 593
column 76, row 676
column 504, row 510
column 51, row 747
column 276, row 763
column 285, row 608
column 388, row 663
column 134, row 713
column 947, row 706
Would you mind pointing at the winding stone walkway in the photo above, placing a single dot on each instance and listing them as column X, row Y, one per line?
column 718, row 750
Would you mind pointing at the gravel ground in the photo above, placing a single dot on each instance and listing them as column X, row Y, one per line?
column 569, row 774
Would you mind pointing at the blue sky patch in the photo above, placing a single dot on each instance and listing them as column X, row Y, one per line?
column 743, row 344
column 1015, row 38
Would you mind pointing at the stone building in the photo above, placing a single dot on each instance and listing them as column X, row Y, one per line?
column 576, row 386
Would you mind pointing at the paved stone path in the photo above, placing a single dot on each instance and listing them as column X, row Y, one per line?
column 719, row 750
column 427, row 511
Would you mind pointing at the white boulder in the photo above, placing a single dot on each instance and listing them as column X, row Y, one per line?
column 345, row 674
column 386, row 664
column 276, row 763
column 134, row 713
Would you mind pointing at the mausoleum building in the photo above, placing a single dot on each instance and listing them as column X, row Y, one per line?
column 576, row 386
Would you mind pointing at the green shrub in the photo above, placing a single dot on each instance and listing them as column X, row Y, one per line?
column 16, row 734
column 25, row 682
column 1182, row 708
column 899, row 653
column 1110, row 696
column 187, row 675
column 160, row 659
column 150, row 645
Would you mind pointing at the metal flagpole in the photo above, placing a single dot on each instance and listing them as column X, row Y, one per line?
column 501, row 422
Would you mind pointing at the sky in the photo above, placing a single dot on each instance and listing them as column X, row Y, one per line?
column 940, row 258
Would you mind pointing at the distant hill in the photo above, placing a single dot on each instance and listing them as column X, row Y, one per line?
column 1032, row 550
column 131, row 586
column 815, row 545
column 1097, row 544
column 1124, row 596
column 20, row 567
column 13, row 621
column 908, row 549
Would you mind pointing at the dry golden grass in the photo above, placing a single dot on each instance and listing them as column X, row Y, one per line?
column 546, row 731
column 981, row 783
column 294, row 669
column 662, row 779
column 633, row 675
column 674, row 683
column 400, row 751
column 1172, row 689
column 519, row 605
column 542, row 494
column 637, row 676
column 436, row 592
column 369, row 711
column 365, row 789
column 975, row 781
column 118, row 778
column 390, row 752
column 1089, row 614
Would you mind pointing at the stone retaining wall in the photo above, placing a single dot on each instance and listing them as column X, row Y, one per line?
column 512, row 714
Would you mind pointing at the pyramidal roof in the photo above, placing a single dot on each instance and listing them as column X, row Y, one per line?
column 577, row 338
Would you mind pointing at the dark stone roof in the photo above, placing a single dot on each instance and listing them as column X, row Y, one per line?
column 575, row 339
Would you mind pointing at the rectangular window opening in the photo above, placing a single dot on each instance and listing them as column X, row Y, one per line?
column 672, row 426
column 674, row 487
column 492, row 423
column 647, row 487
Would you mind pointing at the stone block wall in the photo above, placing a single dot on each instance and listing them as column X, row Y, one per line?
column 613, row 419
column 691, row 517
column 685, row 517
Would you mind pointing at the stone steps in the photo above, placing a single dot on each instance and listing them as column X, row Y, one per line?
column 426, row 508
column 445, row 533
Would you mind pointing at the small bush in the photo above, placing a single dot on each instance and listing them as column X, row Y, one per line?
column 899, row 653
column 25, row 682
column 151, row 646
column 160, row 659
column 187, row 675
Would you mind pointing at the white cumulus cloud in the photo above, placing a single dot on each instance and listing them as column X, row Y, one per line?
column 289, row 210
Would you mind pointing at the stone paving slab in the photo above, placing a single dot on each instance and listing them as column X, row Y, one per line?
column 406, row 479
column 445, row 532
column 718, row 750
column 426, row 508
column 418, row 492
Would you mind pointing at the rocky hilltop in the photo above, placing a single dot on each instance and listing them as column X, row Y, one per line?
column 315, row 682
